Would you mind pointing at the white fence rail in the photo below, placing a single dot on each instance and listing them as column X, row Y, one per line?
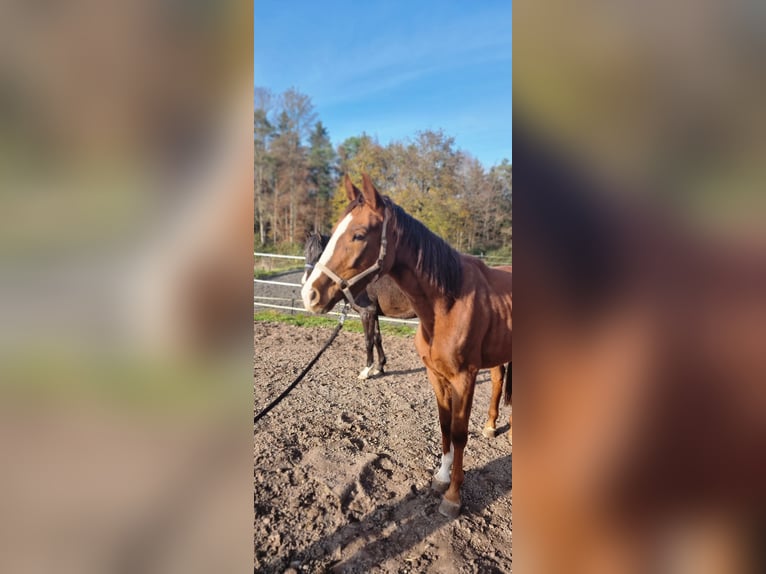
column 282, row 283
column 274, row 262
column 262, row 301
column 277, row 256
column 495, row 259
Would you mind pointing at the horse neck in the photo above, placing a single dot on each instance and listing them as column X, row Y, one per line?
column 423, row 296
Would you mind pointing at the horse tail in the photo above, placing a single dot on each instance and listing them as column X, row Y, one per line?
column 508, row 384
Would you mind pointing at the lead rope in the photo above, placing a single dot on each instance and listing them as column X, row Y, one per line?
column 313, row 361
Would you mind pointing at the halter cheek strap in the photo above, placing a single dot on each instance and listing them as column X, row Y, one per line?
column 346, row 284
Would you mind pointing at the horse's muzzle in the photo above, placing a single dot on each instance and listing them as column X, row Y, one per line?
column 316, row 298
column 313, row 299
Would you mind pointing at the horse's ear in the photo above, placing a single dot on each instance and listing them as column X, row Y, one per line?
column 352, row 192
column 371, row 195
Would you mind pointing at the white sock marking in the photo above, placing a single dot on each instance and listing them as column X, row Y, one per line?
column 324, row 259
column 365, row 373
column 443, row 475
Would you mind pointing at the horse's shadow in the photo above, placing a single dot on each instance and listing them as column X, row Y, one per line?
column 416, row 517
column 483, row 377
column 403, row 372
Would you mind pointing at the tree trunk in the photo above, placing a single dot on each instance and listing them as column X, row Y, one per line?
column 261, row 215
column 316, row 213
column 275, row 220
column 286, row 231
column 292, row 207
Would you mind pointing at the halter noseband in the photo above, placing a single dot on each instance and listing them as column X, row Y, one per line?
column 346, row 284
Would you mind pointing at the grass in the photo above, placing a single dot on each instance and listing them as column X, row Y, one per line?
column 280, row 249
column 353, row 325
column 503, row 255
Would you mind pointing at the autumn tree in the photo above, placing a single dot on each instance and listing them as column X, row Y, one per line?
column 426, row 182
column 298, row 185
column 357, row 155
column 290, row 153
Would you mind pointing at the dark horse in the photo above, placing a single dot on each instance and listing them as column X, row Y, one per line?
column 381, row 297
column 464, row 308
column 384, row 297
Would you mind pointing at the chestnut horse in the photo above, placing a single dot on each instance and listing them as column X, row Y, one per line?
column 383, row 297
column 464, row 308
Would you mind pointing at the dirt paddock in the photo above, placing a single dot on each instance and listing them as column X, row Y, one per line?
column 343, row 467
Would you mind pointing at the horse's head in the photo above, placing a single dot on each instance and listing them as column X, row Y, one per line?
column 356, row 252
column 312, row 251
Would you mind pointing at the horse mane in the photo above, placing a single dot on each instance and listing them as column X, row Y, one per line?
column 315, row 244
column 435, row 259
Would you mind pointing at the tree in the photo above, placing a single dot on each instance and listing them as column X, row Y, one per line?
column 297, row 117
column 429, row 188
column 476, row 201
column 321, row 162
column 500, row 177
column 358, row 155
column 297, row 187
column 263, row 163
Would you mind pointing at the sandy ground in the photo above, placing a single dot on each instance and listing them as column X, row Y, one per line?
column 343, row 467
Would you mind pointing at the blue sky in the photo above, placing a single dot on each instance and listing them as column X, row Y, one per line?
column 391, row 68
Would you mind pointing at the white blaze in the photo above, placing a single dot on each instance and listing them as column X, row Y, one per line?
column 324, row 259
column 443, row 475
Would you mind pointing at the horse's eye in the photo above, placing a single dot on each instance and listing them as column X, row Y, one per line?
column 358, row 237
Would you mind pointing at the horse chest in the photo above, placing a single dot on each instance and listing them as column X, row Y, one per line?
column 439, row 364
column 445, row 362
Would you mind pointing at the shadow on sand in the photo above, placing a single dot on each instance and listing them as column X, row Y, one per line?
column 402, row 372
column 409, row 520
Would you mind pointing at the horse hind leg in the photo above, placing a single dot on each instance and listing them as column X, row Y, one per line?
column 369, row 328
column 497, row 374
column 379, row 346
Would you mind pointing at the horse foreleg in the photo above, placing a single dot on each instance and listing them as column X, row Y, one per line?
column 441, row 388
column 379, row 345
column 497, row 374
column 368, row 321
column 462, row 397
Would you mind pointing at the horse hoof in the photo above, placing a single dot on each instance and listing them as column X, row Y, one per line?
column 438, row 485
column 378, row 371
column 449, row 509
column 365, row 373
column 489, row 432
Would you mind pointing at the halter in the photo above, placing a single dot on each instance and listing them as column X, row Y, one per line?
column 346, row 284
